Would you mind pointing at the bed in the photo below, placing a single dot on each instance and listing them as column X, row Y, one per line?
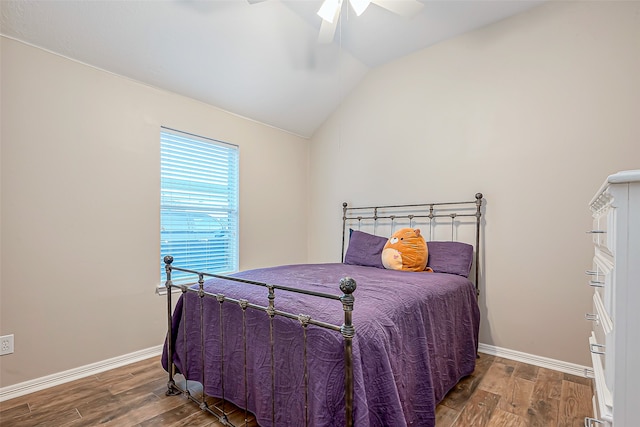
column 335, row 344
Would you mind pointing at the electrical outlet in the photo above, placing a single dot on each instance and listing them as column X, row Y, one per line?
column 6, row 344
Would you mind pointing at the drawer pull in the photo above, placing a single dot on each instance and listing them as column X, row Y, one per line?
column 596, row 232
column 591, row 273
column 591, row 316
column 596, row 283
column 588, row 422
column 594, row 348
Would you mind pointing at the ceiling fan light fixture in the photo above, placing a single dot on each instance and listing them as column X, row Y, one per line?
column 329, row 10
column 359, row 6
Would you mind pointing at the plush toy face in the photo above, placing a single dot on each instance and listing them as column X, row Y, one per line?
column 405, row 250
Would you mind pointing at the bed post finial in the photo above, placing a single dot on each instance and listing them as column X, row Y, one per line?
column 348, row 286
column 167, row 268
column 168, row 259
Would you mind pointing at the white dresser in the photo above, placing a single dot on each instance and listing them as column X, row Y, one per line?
column 615, row 277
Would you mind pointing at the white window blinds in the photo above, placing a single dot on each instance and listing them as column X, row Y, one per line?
column 198, row 203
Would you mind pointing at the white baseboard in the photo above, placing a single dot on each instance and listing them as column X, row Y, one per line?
column 52, row 380
column 531, row 359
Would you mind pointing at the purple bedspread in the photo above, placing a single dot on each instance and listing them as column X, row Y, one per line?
column 416, row 337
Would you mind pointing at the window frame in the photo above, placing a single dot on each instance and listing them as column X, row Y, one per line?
column 182, row 211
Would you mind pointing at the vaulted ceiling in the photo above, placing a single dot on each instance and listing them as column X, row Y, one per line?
column 257, row 59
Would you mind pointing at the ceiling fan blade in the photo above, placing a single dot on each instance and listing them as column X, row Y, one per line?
column 327, row 31
column 405, row 8
column 328, row 28
column 359, row 6
column 328, row 10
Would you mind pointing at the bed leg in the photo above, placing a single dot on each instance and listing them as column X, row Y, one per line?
column 172, row 390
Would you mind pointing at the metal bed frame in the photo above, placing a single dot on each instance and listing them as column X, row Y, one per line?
column 347, row 286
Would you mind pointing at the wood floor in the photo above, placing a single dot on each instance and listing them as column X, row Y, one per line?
column 500, row 392
column 505, row 393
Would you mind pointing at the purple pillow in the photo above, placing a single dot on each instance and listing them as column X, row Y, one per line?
column 450, row 257
column 365, row 249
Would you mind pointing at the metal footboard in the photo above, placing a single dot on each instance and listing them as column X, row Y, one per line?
column 347, row 330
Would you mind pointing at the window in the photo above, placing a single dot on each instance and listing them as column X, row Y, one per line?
column 198, row 203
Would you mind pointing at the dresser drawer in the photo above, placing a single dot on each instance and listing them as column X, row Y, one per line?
column 603, row 228
column 602, row 325
column 599, row 228
column 604, row 398
column 597, row 280
column 601, row 278
column 596, row 420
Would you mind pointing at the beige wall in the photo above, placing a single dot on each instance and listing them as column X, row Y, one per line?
column 80, row 207
column 534, row 112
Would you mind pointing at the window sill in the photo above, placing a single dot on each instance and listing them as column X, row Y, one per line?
column 162, row 291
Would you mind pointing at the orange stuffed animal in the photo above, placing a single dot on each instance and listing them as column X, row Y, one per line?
column 406, row 250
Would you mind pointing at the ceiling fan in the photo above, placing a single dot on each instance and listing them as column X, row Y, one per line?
column 330, row 12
